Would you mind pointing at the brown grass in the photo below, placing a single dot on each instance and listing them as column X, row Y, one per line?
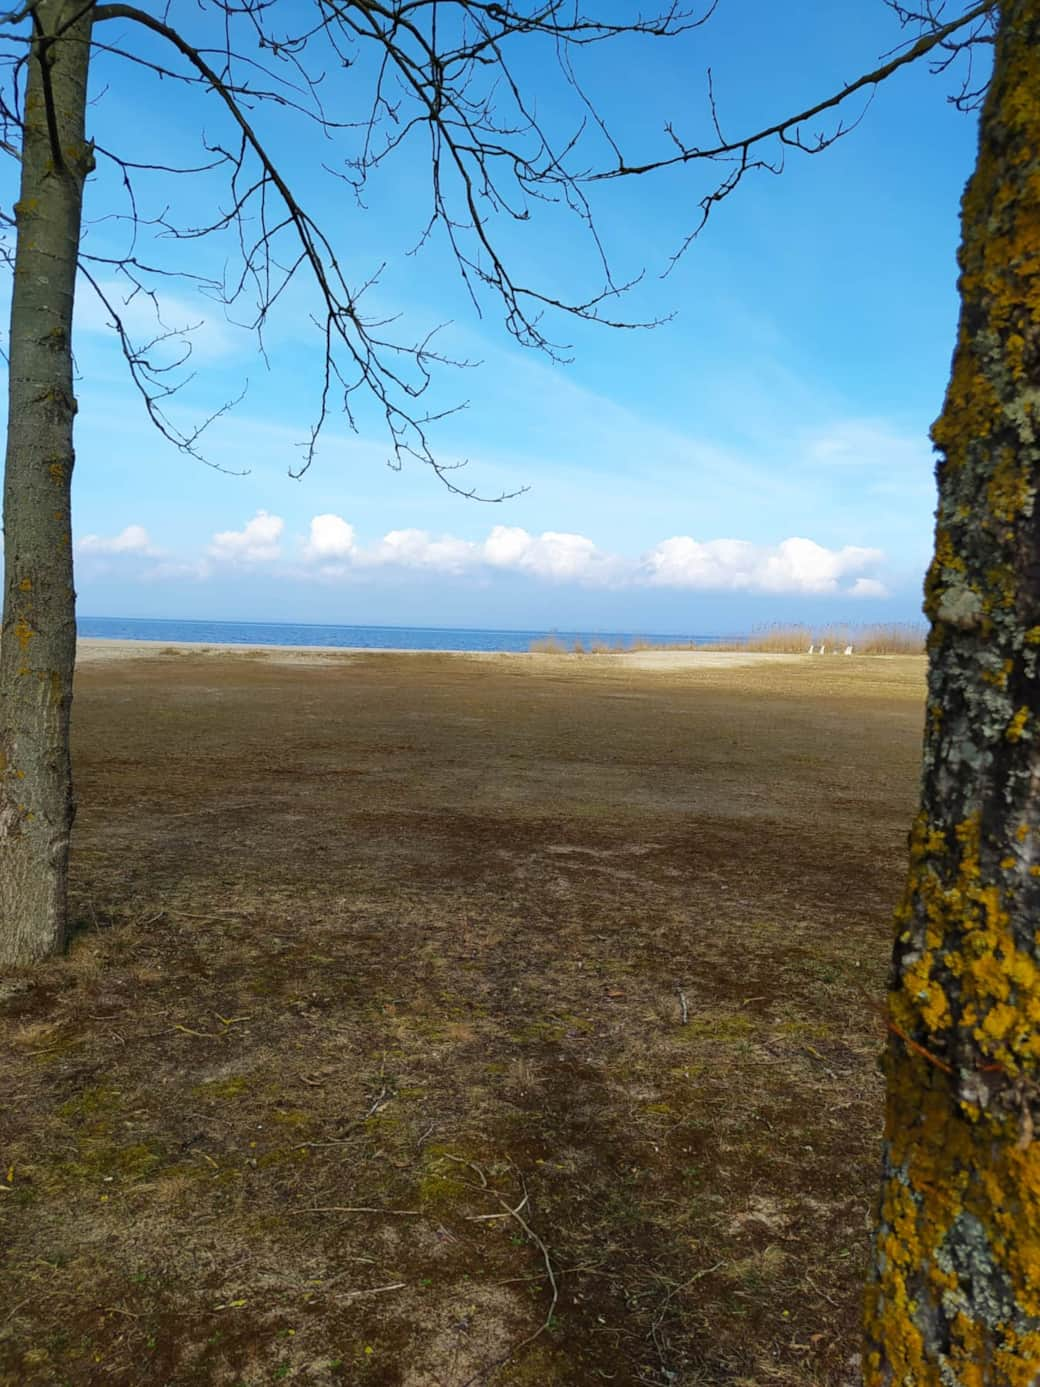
column 773, row 640
column 894, row 638
column 374, row 951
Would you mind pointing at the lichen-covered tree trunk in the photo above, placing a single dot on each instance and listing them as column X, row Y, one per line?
column 38, row 647
column 954, row 1297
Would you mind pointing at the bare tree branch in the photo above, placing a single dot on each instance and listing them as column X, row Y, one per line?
column 147, row 373
column 445, row 72
column 739, row 153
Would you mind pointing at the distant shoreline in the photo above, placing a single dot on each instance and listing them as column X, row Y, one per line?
column 92, row 650
column 101, row 649
column 775, row 639
column 367, row 637
column 154, row 645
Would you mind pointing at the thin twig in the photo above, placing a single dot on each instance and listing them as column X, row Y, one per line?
column 507, row 1213
column 532, row 1236
column 356, row 1209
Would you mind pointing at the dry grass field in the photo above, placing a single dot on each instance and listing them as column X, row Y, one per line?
column 437, row 1021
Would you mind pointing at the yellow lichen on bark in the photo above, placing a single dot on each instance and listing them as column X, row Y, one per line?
column 1017, row 726
column 948, row 1178
column 954, row 1299
column 970, row 946
column 1010, row 488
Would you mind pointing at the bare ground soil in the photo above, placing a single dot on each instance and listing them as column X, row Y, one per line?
column 435, row 1021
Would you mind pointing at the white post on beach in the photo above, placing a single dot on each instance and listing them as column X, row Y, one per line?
column 848, row 650
column 812, row 650
column 823, row 650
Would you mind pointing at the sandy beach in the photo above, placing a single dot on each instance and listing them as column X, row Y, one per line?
column 98, row 649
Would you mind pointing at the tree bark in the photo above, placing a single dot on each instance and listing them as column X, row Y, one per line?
column 954, row 1297
column 38, row 649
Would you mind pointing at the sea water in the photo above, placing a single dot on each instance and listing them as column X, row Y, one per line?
column 174, row 632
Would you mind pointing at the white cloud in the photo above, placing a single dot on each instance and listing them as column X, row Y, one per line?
column 801, row 565
column 868, row 587
column 133, row 540
column 331, row 551
column 331, row 537
column 554, row 554
column 419, row 549
column 256, row 542
column 506, row 546
column 684, row 562
column 794, row 565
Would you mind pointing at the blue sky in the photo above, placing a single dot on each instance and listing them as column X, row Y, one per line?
column 762, row 456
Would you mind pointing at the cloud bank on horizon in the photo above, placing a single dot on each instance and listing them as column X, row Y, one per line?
column 330, row 551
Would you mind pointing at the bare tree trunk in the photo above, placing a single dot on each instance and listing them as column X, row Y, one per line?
column 954, row 1299
column 39, row 632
